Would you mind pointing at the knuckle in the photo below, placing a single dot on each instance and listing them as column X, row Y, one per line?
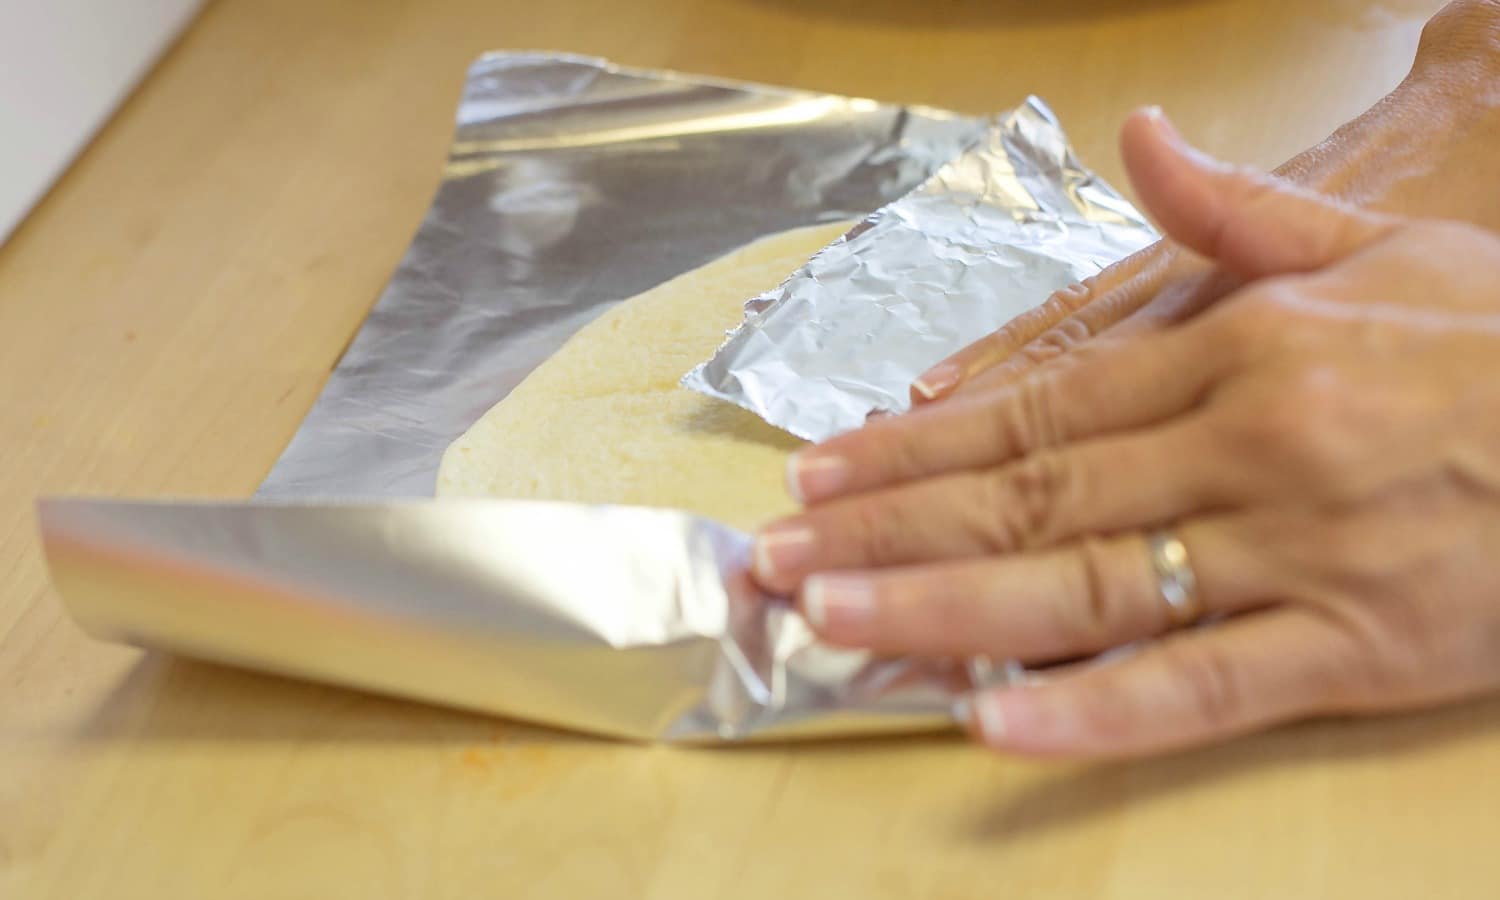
column 1463, row 29
column 1070, row 333
column 1032, row 420
column 1314, row 438
column 1042, row 350
column 1016, row 333
column 1026, row 501
column 1004, row 340
column 1255, row 320
column 1307, row 432
column 1094, row 613
column 901, row 455
column 1066, row 337
column 1361, row 665
column 1211, row 684
column 875, row 533
column 1355, row 557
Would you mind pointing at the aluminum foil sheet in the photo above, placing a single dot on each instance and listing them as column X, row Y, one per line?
column 573, row 184
column 635, row 623
column 989, row 236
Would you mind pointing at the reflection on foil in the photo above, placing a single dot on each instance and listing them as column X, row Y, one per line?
column 988, row 237
column 636, row 623
column 573, row 184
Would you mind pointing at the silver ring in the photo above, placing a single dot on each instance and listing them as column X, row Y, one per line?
column 1175, row 580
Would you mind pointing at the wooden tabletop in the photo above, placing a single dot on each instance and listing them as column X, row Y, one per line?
column 169, row 313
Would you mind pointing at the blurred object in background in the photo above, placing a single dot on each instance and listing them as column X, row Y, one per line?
column 65, row 65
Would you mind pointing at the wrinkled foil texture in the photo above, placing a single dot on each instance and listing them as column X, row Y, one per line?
column 988, row 237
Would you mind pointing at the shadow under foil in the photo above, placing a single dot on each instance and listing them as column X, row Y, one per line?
column 713, row 417
column 166, row 698
column 177, row 699
column 1075, row 794
column 969, row 13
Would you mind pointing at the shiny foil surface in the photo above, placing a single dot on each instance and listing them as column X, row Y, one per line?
column 628, row 622
column 988, row 237
column 572, row 184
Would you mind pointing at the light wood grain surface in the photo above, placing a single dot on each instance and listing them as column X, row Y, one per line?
column 170, row 312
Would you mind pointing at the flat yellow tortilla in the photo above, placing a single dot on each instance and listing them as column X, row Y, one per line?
column 605, row 421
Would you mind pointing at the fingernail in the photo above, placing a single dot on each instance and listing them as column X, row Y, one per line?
column 982, row 714
column 938, row 380
column 987, row 717
column 840, row 602
column 813, row 477
column 1078, row 290
column 1160, row 121
column 782, row 549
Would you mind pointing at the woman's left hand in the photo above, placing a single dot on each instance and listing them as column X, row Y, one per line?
column 1324, row 444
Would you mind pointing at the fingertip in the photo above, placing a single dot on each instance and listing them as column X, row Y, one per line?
column 1179, row 186
column 792, row 476
column 780, row 554
column 839, row 606
column 813, row 476
column 1151, row 148
column 982, row 715
column 1147, row 123
column 814, row 604
column 937, row 382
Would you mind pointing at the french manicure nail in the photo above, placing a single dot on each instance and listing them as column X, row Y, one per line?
column 810, row 476
column 989, row 715
column 780, row 550
column 938, row 380
column 841, row 602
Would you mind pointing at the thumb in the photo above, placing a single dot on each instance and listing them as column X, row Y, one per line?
column 1250, row 223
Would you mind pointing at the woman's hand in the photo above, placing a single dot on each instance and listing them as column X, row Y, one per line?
column 1325, row 442
column 1430, row 148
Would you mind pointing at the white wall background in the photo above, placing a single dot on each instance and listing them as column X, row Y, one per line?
column 64, row 67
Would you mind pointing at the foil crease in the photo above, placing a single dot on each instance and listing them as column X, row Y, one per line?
column 628, row 622
column 991, row 235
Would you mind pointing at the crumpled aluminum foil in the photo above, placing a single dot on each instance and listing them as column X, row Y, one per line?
column 988, row 237
column 635, row 623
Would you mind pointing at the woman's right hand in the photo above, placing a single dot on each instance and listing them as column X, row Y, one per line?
column 1431, row 148
column 1314, row 462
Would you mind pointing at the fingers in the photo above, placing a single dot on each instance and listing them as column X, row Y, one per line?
column 1190, row 688
column 1105, row 485
column 1112, row 388
column 1253, row 224
column 1125, row 279
column 1141, row 306
column 1250, row 223
column 1072, row 601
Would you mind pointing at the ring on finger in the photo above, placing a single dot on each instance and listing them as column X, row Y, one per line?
column 1175, row 581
